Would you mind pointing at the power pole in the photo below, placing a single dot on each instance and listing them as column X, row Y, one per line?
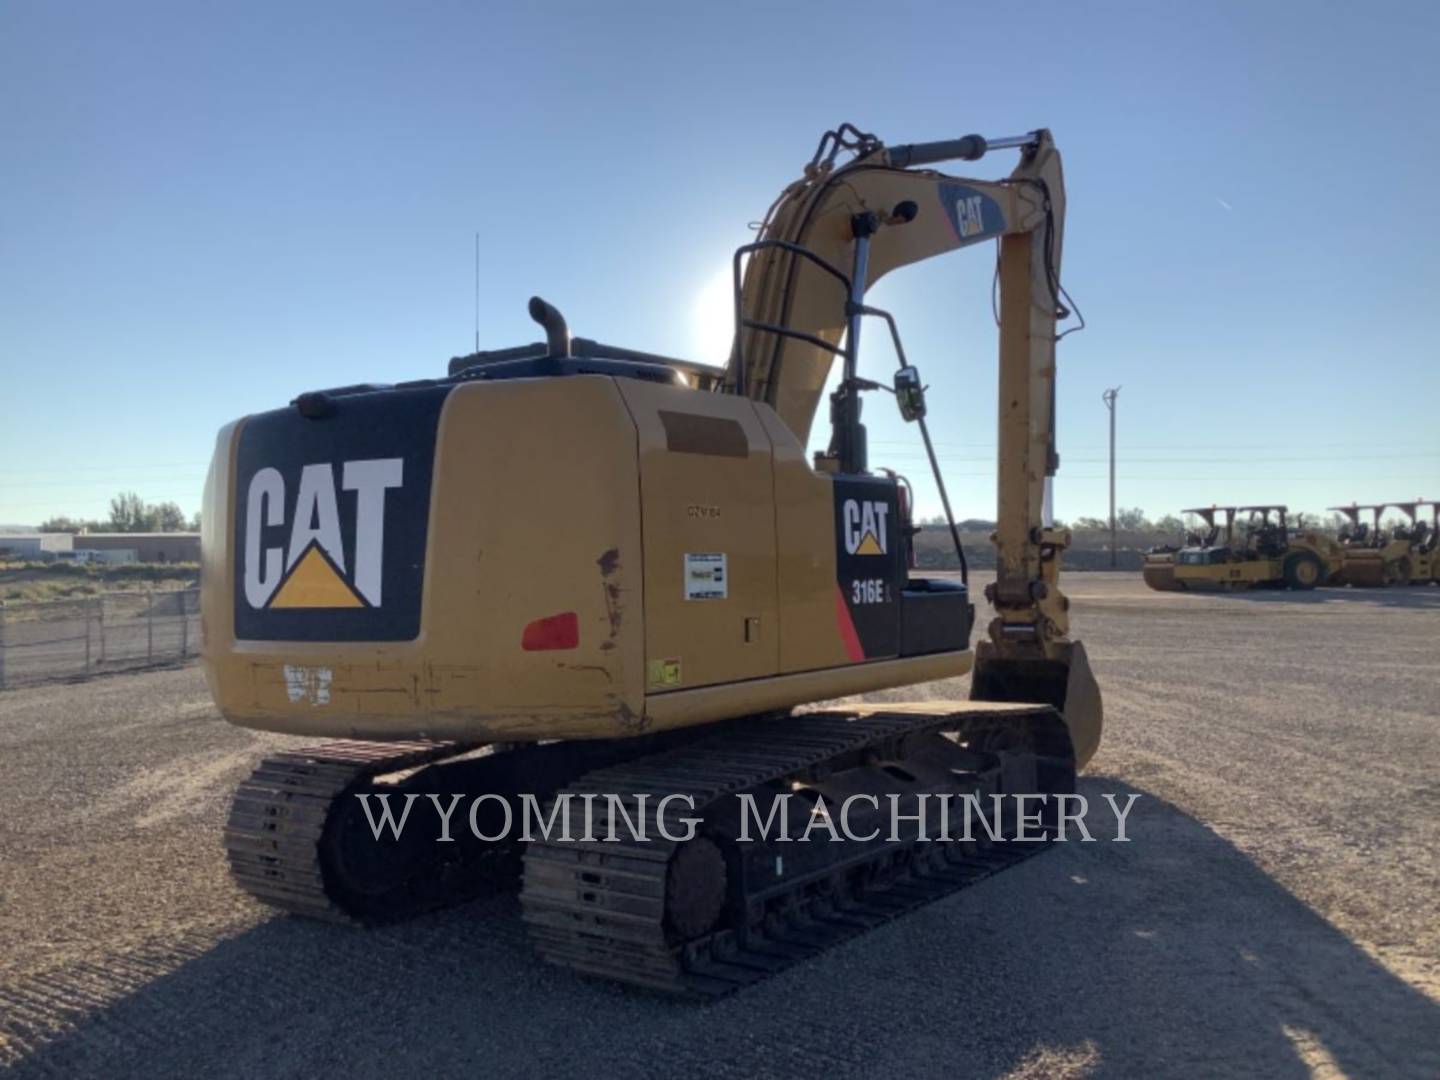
column 1109, row 398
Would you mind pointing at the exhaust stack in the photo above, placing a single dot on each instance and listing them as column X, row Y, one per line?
column 557, row 334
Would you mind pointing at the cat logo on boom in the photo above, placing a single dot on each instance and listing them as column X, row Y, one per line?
column 311, row 569
column 864, row 526
column 970, row 215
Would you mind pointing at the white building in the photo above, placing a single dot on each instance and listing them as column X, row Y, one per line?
column 35, row 545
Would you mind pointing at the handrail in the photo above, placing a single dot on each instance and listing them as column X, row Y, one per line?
column 742, row 323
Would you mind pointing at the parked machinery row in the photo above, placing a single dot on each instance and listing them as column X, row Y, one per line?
column 1403, row 555
column 1244, row 547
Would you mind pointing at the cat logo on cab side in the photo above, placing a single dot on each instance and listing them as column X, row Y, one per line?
column 864, row 524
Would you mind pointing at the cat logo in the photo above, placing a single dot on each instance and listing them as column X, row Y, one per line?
column 311, row 570
column 970, row 215
column 864, row 526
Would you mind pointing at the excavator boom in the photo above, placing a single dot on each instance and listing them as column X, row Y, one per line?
column 885, row 209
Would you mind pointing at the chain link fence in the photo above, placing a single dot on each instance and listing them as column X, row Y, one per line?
column 67, row 639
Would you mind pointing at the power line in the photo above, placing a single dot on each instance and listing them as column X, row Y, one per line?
column 136, row 481
column 1249, row 459
column 1221, row 446
column 116, row 465
column 192, row 495
column 1065, row 463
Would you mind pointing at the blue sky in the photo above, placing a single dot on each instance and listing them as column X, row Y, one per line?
column 207, row 209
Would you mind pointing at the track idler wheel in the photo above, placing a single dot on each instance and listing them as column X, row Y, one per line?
column 694, row 888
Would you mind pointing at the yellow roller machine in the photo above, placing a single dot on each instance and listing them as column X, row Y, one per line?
column 572, row 567
column 1376, row 556
column 1270, row 553
column 1162, row 565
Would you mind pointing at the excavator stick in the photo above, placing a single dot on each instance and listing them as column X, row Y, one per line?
column 1063, row 680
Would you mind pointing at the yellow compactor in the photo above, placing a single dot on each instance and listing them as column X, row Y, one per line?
column 1269, row 553
column 571, row 568
column 1424, row 540
column 1376, row 556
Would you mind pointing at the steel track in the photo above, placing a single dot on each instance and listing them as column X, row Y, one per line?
column 276, row 836
column 599, row 906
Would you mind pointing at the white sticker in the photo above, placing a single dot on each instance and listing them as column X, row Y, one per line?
column 705, row 577
column 308, row 684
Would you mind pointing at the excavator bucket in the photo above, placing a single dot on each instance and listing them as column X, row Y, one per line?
column 1065, row 682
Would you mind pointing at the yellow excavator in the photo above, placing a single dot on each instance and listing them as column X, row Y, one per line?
column 1375, row 556
column 576, row 571
column 1271, row 554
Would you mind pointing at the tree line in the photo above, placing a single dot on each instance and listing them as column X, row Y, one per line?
column 129, row 513
column 1134, row 519
column 1131, row 519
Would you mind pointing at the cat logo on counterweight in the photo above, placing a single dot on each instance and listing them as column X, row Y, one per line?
column 311, row 570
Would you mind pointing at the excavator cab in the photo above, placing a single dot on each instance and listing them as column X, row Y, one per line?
column 935, row 614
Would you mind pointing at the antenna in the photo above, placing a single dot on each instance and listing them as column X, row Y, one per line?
column 477, row 292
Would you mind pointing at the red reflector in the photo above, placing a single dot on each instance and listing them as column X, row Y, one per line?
column 552, row 632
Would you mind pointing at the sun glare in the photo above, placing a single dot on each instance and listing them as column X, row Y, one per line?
column 712, row 320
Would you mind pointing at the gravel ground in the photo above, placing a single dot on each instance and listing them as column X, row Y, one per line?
column 1275, row 913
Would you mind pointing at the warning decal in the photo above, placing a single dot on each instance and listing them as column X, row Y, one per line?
column 664, row 672
column 705, row 576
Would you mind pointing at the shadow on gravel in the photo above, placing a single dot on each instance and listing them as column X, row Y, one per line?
column 1173, row 954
